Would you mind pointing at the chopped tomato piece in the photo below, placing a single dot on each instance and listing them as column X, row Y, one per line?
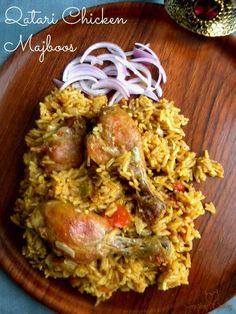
column 178, row 187
column 121, row 217
column 74, row 281
column 56, row 261
column 105, row 289
column 172, row 197
column 158, row 260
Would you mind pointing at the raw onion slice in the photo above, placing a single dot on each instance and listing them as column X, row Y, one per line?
column 77, row 79
column 134, row 89
column 115, row 98
column 86, row 88
column 106, row 45
column 87, row 69
column 115, row 73
column 89, row 59
column 129, row 53
column 140, row 67
column 150, row 94
column 140, row 53
column 155, row 63
column 148, row 49
column 58, row 83
column 133, row 69
column 110, row 70
column 113, row 84
column 121, row 70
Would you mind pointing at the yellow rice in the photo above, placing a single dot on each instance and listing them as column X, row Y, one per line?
column 169, row 160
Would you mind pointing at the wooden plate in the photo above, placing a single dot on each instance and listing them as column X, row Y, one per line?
column 201, row 81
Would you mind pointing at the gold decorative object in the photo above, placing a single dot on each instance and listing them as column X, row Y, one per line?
column 205, row 17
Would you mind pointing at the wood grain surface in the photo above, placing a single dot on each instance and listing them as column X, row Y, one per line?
column 201, row 81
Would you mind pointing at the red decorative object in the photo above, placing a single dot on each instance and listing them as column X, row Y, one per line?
column 206, row 9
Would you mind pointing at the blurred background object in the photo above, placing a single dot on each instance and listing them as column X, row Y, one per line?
column 206, row 17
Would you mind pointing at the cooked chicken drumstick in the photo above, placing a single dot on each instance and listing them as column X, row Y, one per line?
column 119, row 134
column 87, row 237
column 64, row 147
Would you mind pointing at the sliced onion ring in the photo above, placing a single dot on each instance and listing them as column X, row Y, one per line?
column 89, row 59
column 100, row 45
column 112, row 84
column 91, row 91
column 77, row 79
column 116, row 73
column 115, row 98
